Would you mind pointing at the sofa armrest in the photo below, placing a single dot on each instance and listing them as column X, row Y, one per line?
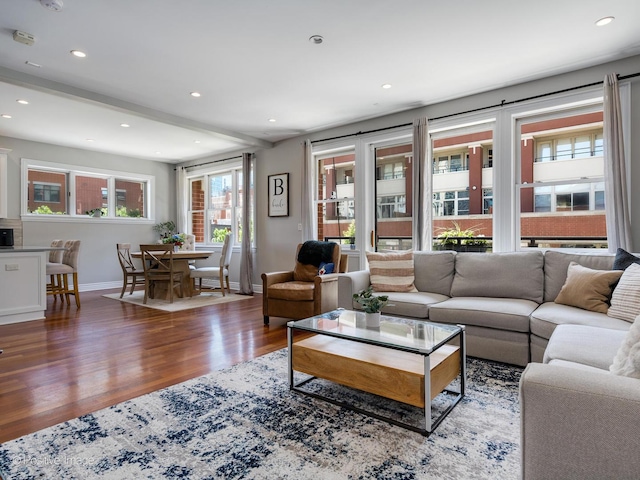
column 578, row 424
column 350, row 283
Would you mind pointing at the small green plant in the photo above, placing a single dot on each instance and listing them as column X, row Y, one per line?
column 449, row 236
column 370, row 303
column 45, row 210
column 165, row 229
column 96, row 212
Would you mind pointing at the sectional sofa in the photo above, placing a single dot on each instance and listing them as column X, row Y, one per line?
column 580, row 417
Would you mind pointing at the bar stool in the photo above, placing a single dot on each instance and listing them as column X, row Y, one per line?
column 68, row 266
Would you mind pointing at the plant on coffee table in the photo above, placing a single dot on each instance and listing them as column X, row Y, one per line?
column 370, row 303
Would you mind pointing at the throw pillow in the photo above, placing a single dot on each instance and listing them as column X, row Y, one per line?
column 627, row 359
column 587, row 288
column 325, row 268
column 625, row 300
column 624, row 259
column 391, row 272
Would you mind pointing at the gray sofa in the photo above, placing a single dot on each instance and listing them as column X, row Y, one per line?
column 506, row 300
column 578, row 420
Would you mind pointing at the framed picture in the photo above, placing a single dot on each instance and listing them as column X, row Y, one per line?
column 279, row 195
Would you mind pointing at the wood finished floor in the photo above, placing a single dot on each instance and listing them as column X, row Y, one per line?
column 77, row 361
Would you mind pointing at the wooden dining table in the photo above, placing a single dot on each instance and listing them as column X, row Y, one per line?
column 180, row 264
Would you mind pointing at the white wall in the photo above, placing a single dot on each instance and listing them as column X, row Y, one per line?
column 98, row 263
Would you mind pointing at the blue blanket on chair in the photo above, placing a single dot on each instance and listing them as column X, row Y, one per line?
column 314, row 252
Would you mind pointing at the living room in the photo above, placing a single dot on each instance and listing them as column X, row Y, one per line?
column 275, row 237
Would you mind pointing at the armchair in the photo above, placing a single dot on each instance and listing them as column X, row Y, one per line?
column 306, row 290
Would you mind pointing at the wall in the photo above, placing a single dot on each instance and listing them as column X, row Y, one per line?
column 98, row 262
column 277, row 237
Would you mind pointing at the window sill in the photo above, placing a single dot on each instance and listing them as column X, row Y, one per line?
column 85, row 219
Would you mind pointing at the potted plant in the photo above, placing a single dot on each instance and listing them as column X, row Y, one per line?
column 177, row 239
column 94, row 212
column 459, row 239
column 371, row 304
column 165, row 229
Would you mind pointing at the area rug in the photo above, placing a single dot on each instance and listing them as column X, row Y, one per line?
column 203, row 300
column 244, row 422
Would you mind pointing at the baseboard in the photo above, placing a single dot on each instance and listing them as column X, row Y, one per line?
column 89, row 287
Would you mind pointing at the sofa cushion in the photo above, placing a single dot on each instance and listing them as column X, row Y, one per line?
column 549, row 315
column 556, row 265
column 627, row 359
column 625, row 299
column 391, row 272
column 434, row 271
column 511, row 275
column 500, row 313
column 593, row 346
column 588, row 288
column 623, row 259
column 410, row 304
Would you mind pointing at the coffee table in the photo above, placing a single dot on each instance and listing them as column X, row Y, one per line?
column 389, row 360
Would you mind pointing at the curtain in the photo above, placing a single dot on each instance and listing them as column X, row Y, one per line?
column 246, row 260
column 615, row 174
column 422, row 211
column 307, row 193
column 182, row 205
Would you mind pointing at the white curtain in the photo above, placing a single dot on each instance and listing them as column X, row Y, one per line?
column 246, row 260
column 181, row 200
column 615, row 174
column 308, row 217
column 422, row 211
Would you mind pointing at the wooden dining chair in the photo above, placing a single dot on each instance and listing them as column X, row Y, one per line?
column 157, row 263
column 132, row 275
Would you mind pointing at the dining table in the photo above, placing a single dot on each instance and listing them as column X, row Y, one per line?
column 180, row 264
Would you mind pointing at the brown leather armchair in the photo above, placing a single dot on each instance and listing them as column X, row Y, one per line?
column 303, row 292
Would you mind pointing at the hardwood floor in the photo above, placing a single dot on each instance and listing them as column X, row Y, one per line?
column 77, row 361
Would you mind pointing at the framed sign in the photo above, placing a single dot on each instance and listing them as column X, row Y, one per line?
column 279, row 195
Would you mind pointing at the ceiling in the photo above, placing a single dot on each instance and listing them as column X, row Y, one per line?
column 252, row 62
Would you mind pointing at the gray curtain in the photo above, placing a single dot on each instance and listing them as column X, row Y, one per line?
column 246, row 260
column 181, row 200
column 422, row 212
column 307, row 193
column 615, row 174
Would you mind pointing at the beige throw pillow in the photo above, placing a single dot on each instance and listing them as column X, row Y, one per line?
column 392, row 272
column 587, row 288
column 627, row 360
column 625, row 300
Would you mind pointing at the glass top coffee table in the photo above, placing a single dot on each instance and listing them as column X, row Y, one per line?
column 389, row 359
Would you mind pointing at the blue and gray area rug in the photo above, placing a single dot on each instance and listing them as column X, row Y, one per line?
column 244, row 422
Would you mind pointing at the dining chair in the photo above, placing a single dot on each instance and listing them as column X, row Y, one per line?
column 157, row 263
column 68, row 266
column 132, row 275
column 221, row 272
column 55, row 256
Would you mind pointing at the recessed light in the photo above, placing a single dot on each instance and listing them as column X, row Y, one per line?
column 78, row 53
column 5, row 115
column 158, row 153
column 195, row 94
column 196, row 141
column 90, row 140
column 604, row 21
column 386, row 85
column 125, row 125
column 22, row 102
column 316, row 39
column 272, row 120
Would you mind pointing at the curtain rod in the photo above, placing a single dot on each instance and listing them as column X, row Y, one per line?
column 501, row 104
column 209, row 163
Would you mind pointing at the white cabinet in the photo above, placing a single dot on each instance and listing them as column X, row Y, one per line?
column 23, row 294
column 3, row 183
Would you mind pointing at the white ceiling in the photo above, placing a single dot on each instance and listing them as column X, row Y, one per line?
column 252, row 61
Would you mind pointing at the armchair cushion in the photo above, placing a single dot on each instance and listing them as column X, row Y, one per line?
column 293, row 291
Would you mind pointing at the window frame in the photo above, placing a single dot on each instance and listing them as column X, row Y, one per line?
column 73, row 171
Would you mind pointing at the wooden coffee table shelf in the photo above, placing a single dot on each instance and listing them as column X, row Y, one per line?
column 389, row 373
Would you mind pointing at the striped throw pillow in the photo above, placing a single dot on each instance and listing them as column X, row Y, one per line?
column 625, row 300
column 391, row 272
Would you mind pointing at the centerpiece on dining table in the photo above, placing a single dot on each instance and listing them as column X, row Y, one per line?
column 177, row 239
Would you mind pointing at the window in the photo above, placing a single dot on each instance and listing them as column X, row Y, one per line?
column 451, row 203
column 215, row 205
column 585, row 145
column 58, row 189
